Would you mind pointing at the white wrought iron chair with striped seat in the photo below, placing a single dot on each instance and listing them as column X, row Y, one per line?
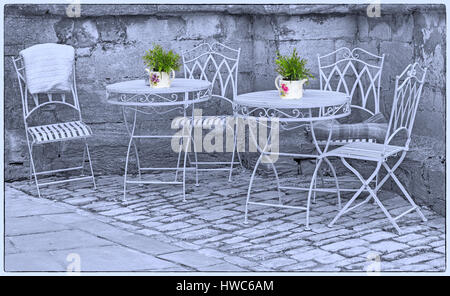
column 408, row 90
column 46, row 75
column 218, row 64
column 357, row 73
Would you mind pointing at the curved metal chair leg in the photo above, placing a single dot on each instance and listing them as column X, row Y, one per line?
column 314, row 192
column 377, row 179
column 237, row 150
column 232, row 157
column 333, row 171
column 250, row 187
column 319, row 172
column 196, row 163
column 308, row 202
column 136, row 150
column 186, row 147
column 138, row 163
column 130, row 142
column 234, row 151
column 178, row 160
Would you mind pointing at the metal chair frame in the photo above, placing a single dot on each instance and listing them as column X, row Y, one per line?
column 349, row 64
column 214, row 57
column 408, row 89
column 52, row 99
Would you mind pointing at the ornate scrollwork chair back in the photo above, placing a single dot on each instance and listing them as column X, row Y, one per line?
column 218, row 64
column 408, row 91
column 355, row 72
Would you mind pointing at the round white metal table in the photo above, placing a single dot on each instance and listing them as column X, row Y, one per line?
column 289, row 114
column 138, row 97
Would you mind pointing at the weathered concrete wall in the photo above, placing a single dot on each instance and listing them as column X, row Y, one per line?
column 109, row 49
column 405, row 38
column 111, row 39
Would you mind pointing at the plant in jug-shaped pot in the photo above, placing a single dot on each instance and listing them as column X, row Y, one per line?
column 161, row 66
column 293, row 74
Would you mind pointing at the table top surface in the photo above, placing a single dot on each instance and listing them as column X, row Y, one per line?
column 178, row 85
column 312, row 98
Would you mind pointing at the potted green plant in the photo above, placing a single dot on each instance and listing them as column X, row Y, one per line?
column 161, row 66
column 292, row 75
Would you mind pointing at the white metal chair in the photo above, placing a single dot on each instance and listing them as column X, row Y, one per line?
column 408, row 89
column 217, row 64
column 357, row 73
column 46, row 76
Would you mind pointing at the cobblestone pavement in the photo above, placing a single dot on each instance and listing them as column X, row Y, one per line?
column 154, row 230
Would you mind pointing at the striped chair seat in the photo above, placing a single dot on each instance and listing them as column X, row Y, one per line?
column 59, row 132
column 371, row 130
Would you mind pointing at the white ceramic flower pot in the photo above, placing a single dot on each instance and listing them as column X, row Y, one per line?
column 289, row 89
column 160, row 79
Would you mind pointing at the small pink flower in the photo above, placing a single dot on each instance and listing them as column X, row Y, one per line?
column 154, row 79
column 284, row 87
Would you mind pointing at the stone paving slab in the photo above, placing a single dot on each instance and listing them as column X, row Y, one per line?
column 115, row 258
column 192, row 259
column 207, row 233
column 145, row 244
column 43, row 241
column 33, row 261
column 19, row 209
column 56, row 240
column 223, row 267
column 15, row 226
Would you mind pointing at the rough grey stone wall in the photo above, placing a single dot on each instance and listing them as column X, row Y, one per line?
column 404, row 38
column 110, row 40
